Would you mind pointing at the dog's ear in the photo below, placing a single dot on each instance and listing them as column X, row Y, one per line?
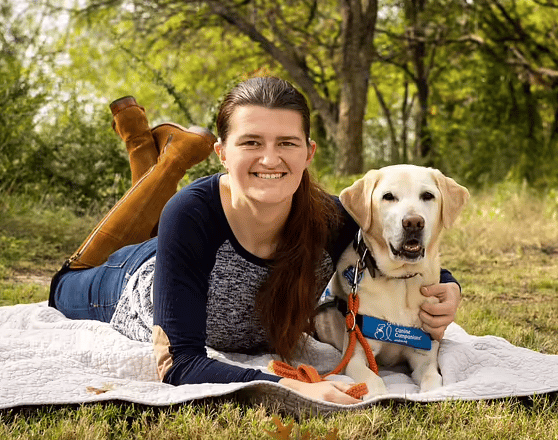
column 357, row 199
column 454, row 197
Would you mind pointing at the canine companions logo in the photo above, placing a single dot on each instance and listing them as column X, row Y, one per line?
column 383, row 333
column 381, row 330
column 284, row 432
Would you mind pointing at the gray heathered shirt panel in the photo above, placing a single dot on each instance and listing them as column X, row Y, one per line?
column 232, row 324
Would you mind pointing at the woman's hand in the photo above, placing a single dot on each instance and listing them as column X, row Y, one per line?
column 330, row 391
column 436, row 317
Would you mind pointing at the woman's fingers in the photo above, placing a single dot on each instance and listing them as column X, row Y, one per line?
column 437, row 316
column 330, row 391
column 343, row 397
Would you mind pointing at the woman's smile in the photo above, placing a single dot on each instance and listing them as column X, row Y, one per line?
column 270, row 176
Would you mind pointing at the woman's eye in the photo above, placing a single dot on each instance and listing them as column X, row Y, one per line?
column 426, row 196
column 287, row 144
column 389, row 197
column 251, row 144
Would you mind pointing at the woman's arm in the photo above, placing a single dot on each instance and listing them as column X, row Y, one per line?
column 186, row 252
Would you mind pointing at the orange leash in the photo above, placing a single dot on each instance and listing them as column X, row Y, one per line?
column 307, row 373
column 355, row 334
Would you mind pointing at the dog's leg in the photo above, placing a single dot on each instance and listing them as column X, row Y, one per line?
column 425, row 368
column 357, row 369
column 330, row 327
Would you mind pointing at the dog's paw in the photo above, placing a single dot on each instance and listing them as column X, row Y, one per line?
column 430, row 382
column 376, row 388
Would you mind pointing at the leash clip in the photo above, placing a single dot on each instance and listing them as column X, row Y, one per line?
column 360, row 264
column 358, row 270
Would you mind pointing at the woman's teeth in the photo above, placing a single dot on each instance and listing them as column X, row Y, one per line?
column 269, row 176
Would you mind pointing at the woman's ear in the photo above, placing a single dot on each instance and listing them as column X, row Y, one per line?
column 311, row 151
column 220, row 151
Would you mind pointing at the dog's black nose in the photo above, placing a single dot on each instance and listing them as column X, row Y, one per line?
column 413, row 223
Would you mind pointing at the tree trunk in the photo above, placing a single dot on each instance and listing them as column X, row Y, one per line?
column 422, row 133
column 394, row 145
column 352, row 105
column 353, row 71
column 423, row 138
column 405, row 110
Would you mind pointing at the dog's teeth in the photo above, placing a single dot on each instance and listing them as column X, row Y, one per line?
column 412, row 248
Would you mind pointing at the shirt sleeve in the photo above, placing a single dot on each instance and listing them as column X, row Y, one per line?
column 447, row 277
column 185, row 257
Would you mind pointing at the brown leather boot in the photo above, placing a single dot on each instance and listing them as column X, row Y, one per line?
column 193, row 151
column 135, row 216
column 130, row 123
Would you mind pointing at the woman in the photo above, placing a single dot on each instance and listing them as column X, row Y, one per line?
column 241, row 258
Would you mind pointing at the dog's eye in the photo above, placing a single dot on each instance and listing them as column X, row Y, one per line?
column 426, row 196
column 389, row 197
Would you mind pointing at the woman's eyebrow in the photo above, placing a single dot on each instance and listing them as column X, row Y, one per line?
column 279, row 138
column 289, row 138
column 249, row 136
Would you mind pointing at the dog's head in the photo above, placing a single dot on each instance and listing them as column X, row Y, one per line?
column 402, row 209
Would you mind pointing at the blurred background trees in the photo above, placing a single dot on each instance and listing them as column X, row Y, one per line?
column 467, row 86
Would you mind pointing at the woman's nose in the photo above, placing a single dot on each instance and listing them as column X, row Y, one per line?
column 270, row 157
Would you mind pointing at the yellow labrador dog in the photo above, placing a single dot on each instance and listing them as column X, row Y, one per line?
column 401, row 211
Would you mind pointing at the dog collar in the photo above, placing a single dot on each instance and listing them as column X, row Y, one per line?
column 368, row 261
column 365, row 255
column 385, row 331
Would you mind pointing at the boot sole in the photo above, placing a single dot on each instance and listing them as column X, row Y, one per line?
column 186, row 130
column 122, row 103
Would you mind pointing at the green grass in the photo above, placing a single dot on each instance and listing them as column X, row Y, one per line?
column 535, row 419
column 503, row 250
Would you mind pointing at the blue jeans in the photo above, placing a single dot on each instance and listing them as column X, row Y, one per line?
column 94, row 293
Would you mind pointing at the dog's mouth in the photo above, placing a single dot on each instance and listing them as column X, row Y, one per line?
column 411, row 250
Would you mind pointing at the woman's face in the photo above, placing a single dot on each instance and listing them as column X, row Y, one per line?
column 265, row 153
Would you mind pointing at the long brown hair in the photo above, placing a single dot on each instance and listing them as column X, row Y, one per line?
column 286, row 300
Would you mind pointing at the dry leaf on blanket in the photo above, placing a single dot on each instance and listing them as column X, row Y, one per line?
column 106, row 387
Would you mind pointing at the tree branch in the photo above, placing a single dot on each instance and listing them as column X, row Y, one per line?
column 288, row 59
column 548, row 4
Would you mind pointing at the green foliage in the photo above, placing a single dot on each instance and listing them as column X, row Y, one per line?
column 79, row 158
column 488, row 121
column 176, row 63
column 36, row 234
column 484, row 122
column 19, row 100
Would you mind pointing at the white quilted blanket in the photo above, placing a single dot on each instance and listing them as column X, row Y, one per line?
column 48, row 359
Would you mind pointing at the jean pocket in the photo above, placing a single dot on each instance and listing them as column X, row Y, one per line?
column 120, row 258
